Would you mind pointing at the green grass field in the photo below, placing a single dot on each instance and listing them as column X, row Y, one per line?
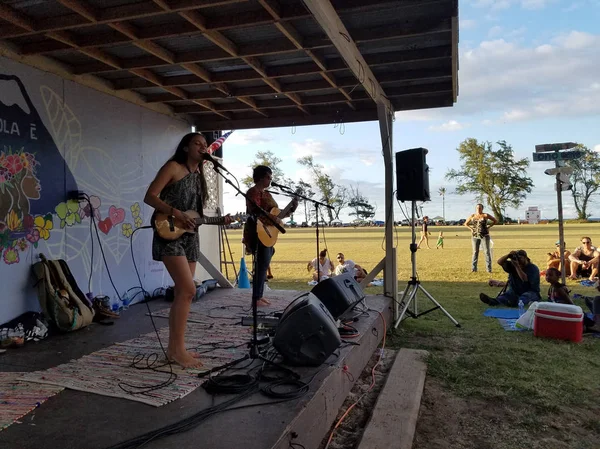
column 538, row 381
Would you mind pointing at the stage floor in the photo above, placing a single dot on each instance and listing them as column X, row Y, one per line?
column 80, row 420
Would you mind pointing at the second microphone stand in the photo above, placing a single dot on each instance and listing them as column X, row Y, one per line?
column 289, row 192
column 254, row 352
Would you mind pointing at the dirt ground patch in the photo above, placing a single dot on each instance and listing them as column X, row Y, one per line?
column 448, row 421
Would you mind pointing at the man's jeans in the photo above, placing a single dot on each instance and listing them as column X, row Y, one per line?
column 477, row 242
column 262, row 260
column 511, row 299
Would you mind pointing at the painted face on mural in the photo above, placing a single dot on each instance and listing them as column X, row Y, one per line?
column 30, row 186
column 197, row 147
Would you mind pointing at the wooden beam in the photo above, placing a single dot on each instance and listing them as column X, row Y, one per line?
column 15, row 17
column 49, row 65
column 81, row 8
column 132, row 33
column 455, row 57
column 331, row 23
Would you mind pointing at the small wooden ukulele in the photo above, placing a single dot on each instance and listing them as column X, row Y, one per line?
column 170, row 228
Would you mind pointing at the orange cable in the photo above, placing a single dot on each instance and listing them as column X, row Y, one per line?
column 370, row 387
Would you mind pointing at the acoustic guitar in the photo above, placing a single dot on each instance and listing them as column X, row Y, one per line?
column 267, row 233
column 170, row 228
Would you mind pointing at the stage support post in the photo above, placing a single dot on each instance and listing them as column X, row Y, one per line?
column 390, row 273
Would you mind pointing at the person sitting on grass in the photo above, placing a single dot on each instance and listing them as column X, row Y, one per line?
column 325, row 267
column 523, row 281
column 559, row 293
column 348, row 266
column 584, row 260
column 553, row 260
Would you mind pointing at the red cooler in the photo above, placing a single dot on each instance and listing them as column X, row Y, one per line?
column 560, row 321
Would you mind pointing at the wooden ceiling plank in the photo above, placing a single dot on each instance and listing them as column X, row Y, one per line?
column 81, row 8
column 149, row 9
column 331, row 23
column 15, row 17
column 69, row 39
column 132, row 33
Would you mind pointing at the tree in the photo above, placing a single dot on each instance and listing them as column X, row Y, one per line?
column 305, row 189
column 270, row 160
column 442, row 192
column 585, row 179
column 493, row 175
column 360, row 204
column 331, row 193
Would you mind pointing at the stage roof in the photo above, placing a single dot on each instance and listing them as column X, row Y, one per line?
column 237, row 64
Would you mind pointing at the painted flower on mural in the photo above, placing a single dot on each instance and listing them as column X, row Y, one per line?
column 84, row 208
column 11, row 255
column 43, row 225
column 138, row 222
column 22, row 244
column 13, row 163
column 135, row 210
column 13, row 221
column 33, row 236
column 68, row 213
column 127, row 229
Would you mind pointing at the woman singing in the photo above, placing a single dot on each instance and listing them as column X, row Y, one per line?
column 180, row 186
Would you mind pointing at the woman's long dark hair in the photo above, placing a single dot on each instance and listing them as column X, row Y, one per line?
column 181, row 157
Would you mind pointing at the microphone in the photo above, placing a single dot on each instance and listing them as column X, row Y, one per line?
column 279, row 186
column 216, row 164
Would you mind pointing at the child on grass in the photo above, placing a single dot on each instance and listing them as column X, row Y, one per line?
column 559, row 293
column 440, row 242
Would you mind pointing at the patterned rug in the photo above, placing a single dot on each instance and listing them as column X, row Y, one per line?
column 111, row 371
column 18, row 398
column 213, row 332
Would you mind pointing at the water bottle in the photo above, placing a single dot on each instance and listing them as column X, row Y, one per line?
column 521, row 307
column 125, row 301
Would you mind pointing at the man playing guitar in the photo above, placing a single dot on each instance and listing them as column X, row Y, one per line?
column 180, row 186
column 258, row 196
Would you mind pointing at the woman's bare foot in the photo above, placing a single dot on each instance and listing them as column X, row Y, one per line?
column 184, row 359
column 263, row 302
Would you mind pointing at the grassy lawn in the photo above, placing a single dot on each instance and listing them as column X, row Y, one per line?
column 512, row 389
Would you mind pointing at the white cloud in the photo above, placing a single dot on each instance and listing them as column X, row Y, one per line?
column 247, row 137
column 597, row 148
column 309, row 147
column 516, row 82
column 497, row 5
column 495, row 31
column 576, row 40
column 467, row 24
column 451, row 125
column 487, row 122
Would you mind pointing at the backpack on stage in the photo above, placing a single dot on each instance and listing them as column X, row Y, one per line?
column 61, row 300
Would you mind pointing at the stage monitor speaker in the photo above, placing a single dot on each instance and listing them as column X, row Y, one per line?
column 307, row 333
column 339, row 294
column 412, row 175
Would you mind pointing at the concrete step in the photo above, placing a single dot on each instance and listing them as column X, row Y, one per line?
column 394, row 418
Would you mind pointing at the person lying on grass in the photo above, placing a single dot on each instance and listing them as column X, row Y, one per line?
column 559, row 293
column 523, row 281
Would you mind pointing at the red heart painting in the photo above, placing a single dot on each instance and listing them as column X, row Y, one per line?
column 105, row 225
column 117, row 215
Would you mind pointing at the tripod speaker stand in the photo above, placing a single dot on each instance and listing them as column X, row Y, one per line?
column 414, row 285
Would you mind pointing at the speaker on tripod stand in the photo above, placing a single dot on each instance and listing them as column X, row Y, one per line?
column 412, row 178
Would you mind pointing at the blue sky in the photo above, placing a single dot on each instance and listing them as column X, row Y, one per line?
column 529, row 73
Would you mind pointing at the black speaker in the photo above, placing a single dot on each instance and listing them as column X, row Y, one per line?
column 339, row 294
column 307, row 333
column 412, row 175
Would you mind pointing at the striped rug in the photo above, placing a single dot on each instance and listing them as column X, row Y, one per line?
column 17, row 398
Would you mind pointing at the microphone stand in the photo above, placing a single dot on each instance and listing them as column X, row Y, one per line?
column 254, row 353
column 288, row 192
